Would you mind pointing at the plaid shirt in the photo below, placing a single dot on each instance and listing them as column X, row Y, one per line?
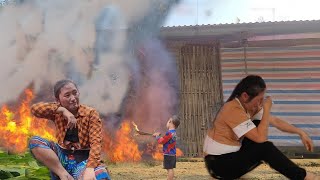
column 89, row 128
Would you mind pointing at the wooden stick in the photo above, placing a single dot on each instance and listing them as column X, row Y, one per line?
column 140, row 132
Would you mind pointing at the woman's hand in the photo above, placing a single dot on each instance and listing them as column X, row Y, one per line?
column 267, row 103
column 306, row 140
column 72, row 121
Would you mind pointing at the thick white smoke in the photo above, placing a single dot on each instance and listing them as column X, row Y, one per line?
column 90, row 41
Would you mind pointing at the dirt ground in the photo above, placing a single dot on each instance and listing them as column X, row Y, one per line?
column 195, row 170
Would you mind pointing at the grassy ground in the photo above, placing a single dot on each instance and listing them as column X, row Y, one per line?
column 25, row 167
column 196, row 171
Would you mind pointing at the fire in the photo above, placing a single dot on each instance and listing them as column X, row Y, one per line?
column 158, row 154
column 124, row 148
column 138, row 132
column 135, row 126
column 17, row 126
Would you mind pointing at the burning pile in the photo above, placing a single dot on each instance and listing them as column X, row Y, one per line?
column 158, row 155
column 16, row 127
column 124, row 148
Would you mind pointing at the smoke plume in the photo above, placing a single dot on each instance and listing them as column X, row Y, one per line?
column 108, row 47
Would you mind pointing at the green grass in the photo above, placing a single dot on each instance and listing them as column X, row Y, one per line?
column 18, row 167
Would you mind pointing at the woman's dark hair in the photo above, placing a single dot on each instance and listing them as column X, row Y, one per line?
column 57, row 87
column 252, row 85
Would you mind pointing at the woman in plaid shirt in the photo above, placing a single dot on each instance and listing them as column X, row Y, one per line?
column 77, row 153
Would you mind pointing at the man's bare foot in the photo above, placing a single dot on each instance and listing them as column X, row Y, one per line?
column 311, row 176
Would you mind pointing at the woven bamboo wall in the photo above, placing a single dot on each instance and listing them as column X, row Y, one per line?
column 201, row 92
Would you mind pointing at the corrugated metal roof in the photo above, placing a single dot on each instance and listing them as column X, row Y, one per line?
column 238, row 29
column 244, row 23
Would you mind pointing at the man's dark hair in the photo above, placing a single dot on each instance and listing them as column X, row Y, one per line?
column 175, row 121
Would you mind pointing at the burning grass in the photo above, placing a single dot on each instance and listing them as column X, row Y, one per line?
column 126, row 147
column 17, row 125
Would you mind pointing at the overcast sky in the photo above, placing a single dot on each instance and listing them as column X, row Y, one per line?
column 191, row 12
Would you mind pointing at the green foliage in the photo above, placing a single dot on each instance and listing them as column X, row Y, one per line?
column 5, row 174
column 18, row 167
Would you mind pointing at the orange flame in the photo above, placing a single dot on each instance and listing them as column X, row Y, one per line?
column 135, row 126
column 124, row 148
column 158, row 154
column 156, row 149
column 17, row 127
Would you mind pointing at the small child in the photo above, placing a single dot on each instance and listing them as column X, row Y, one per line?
column 169, row 145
